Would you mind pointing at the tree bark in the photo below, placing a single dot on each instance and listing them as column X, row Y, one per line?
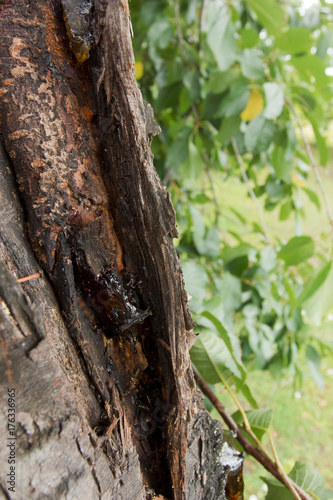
column 97, row 348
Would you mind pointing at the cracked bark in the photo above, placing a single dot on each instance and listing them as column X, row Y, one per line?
column 98, row 346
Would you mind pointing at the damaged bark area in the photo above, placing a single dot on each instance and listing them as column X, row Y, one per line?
column 110, row 309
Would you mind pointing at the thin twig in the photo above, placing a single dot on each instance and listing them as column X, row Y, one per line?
column 179, row 31
column 31, row 277
column 241, row 410
column 202, row 15
column 211, row 185
column 280, row 467
column 313, row 163
column 261, row 456
column 252, row 193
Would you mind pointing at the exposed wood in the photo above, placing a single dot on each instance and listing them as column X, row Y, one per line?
column 145, row 221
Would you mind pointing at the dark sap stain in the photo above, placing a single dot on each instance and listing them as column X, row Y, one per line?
column 78, row 17
column 111, row 296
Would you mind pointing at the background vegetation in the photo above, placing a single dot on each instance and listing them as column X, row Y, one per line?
column 242, row 91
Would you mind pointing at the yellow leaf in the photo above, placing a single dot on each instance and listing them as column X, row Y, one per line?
column 138, row 67
column 254, row 106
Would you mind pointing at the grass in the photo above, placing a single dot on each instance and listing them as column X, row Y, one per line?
column 303, row 426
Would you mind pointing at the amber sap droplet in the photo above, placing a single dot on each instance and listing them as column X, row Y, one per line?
column 235, row 485
column 232, row 459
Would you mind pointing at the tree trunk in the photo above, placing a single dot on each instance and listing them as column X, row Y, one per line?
column 96, row 382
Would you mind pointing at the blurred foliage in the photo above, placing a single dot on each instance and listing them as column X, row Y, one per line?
column 236, row 86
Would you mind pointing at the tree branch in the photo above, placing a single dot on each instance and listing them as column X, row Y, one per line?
column 313, row 163
column 259, row 455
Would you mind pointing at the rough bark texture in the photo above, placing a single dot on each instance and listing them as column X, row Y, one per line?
column 98, row 347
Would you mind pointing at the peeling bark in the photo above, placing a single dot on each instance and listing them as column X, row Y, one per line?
column 97, row 347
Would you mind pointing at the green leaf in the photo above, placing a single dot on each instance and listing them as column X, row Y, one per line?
column 239, row 216
column 302, row 163
column 222, row 158
column 302, row 474
column 274, row 100
column 231, row 292
column 251, row 65
column 304, row 97
column 210, row 105
column 325, row 42
column 210, row 355
column 313, row 360
column 320, row 141
column 269, row 14
column 212, row 243
column 289, row 285
column 206, row 244
column 275, row 190
column 313, row 284
column 276, row 491
column 297, row 250
column 178, row 150
column 319, row 304
column 306, row 476
column 200, row 198
column 222, row 80
column 313, row 197
column 196, row 279
column 229, row 128
column 235, row 102
column 323, row 493
column 185, row 100
column 231, row 253
column 245, row 389
column 248, row 38
column 212, row 359
column 294, row 41
column 258, row 134
column 192, row 83
column 230, row 341
column 311, row 68
column 175, row 71
column 285, row 210
column 191, row 14
column 199, row 228
column 268, row 258
column 168, row 96
column 160, row 33
column 281, row 163
column 259, row 420
column 195, row 161
column 221, row 34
